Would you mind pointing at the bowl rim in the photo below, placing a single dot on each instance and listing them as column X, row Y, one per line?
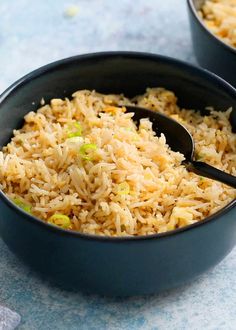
column 211, row 34
column 103, row 55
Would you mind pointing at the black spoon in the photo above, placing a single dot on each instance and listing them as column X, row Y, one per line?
column 179, row 139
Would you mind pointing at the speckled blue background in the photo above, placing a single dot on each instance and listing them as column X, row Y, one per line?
column 33, row 33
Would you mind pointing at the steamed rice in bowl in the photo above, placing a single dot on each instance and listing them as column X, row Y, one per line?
column 84, row 165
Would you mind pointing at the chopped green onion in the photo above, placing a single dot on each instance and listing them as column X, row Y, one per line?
column 84, row 149
column 71, row 135
column 60, row 220
column 22, row 205
column 78, row 126
column 74, row 133
column 123, row 188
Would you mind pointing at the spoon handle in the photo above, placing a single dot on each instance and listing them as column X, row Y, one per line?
column 211, row 172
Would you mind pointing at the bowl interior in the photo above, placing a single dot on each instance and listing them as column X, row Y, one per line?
column 120, row 72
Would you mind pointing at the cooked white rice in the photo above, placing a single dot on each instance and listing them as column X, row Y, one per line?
column 220, row 17
column 84, row 165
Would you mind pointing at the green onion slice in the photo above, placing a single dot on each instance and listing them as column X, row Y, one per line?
column 75, row 130
column 123, row 188
column 85, row 148
column 22, row 205
column 60, row 220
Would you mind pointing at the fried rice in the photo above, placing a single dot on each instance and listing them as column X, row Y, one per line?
column 83, row 164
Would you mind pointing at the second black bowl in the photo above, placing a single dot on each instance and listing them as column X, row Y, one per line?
column 212, row 53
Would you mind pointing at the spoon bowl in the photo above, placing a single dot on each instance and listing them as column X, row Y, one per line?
column 179, row 139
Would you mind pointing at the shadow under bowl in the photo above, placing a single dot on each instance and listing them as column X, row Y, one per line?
column 211, row 52
column 116, row 266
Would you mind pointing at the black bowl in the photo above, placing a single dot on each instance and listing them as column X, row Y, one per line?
column 116, row 266
column 211, row 52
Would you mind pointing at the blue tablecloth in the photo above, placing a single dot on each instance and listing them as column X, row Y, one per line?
column 33, row 33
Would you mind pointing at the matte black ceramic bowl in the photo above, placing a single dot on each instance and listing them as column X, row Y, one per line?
column 116, row 266
column 212, row 53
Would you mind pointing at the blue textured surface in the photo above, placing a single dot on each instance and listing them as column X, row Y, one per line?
column 33, row 33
